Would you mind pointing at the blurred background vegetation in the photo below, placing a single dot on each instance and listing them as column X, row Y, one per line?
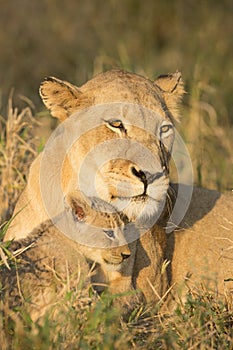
column 75, row 39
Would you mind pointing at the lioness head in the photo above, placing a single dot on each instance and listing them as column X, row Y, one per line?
column 103, row 234
column 119, row 133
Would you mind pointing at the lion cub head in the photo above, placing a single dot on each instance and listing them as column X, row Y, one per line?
column 103, row 235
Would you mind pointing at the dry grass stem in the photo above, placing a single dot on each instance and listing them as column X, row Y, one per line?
column 17, row 150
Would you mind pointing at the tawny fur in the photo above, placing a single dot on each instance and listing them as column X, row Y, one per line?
column 199, row 252
column 47, row 266
column 209, row 220
column 201, row 249
column 63, row 99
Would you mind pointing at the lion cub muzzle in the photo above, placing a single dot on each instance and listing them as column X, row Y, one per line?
column 114, row 257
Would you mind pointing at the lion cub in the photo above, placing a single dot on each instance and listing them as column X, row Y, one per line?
column 47, row 264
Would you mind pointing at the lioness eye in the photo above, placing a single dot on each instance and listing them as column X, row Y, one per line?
column 109, row 233
column 116, row 124
column 165, row 128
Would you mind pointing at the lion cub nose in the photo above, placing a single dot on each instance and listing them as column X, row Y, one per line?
column 125, row 255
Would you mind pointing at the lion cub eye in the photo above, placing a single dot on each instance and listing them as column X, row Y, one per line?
column 109, row 233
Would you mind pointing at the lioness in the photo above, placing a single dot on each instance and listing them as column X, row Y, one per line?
column 117, row 111
column 135, row 115
column 46, row 264
column 114, row 142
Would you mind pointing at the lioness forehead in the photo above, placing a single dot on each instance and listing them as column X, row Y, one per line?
column 161, row 95
column 117, row 85
column 118, row 77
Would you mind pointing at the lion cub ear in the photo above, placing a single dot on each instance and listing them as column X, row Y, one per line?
column 61, row 97
column 173, row 90
column 80, row 207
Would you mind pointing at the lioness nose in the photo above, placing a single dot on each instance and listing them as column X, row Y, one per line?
column 146, row 177
column 152, row 177
column 125, row 256
column 140, row 174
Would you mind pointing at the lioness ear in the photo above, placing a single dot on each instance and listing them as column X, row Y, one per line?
column 61, row 97
column 76, row 202
column 173, row 89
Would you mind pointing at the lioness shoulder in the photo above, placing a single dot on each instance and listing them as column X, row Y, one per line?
column 199, row 252
column 201, row 249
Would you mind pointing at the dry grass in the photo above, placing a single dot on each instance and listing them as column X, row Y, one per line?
column 92, row 323
column 193, row 37
column 79, row 319
column 209, row 142
column 202, row 322
column 17, row 150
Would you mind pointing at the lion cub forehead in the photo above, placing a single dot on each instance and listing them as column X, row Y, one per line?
column 93, row 210
column 105, row 214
